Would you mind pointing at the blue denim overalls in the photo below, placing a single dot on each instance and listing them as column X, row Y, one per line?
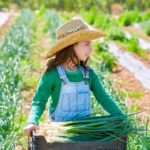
column 74, row 99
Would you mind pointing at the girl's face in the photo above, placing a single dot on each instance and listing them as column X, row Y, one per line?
column 83, row 50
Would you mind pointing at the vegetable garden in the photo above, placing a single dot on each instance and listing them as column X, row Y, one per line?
column 122, row 60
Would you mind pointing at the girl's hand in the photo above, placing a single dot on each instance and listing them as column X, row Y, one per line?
column 29, row 128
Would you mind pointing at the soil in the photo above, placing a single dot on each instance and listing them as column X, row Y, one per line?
column 146, row 62
column 126, row 80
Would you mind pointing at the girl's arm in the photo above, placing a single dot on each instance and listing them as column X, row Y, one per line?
column 103, row 97
column 40, row 99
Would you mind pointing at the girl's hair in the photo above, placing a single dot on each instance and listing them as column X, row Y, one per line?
column 66, row 55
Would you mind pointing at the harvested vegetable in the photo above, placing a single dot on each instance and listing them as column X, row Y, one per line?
column 91, row 128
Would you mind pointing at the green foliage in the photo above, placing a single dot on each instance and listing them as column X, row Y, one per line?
column 14, row 49
column 128, row 17
column 117, row 34
column 89, row 16
column 34, row 63
column 146, row 26
column 134, row 94
column 145, row 15
column 105, row 6
column 104, row 76
column 141, row 140
column 53, row 22
column 132, row 43
column 108, row 128
column 29, row 82
column 101, row 20
column 66, row 16
column 133, row 46
column 108, row 60
column 132, row 4
column 39, row 15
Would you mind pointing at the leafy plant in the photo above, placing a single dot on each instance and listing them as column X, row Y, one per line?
column 89, row 16
column 13, row 50
column 102, row 20
column 116, row 34
column 129, row 17
column 146, row 26
column 108, row 60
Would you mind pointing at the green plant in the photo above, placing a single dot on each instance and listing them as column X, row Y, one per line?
column 133, row 46
column 116, row 34
column 102, row 20
column 53, row 21
column 89, row 16
column 129, row 17
column 29, row 82
column 144, row 15
column 97, row 128
column 146, row 26
column 132, row 43
column 135, row 141
column 108, row 60
column 134, row 94
column 14, row 49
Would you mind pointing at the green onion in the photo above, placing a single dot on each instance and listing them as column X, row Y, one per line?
column 97, row 128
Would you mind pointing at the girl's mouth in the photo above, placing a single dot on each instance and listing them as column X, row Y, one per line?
column 86, row 55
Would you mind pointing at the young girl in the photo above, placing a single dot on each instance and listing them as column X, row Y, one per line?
column 68, row 79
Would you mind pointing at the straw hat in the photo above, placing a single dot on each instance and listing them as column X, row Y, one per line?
column 73, row 31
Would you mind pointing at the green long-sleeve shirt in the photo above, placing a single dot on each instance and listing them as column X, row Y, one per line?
column 49, row 87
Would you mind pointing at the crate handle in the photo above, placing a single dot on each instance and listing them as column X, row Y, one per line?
column 33, row 132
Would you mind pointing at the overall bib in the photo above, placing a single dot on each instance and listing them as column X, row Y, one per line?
column 74, row 99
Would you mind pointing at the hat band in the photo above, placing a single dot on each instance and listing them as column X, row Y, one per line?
column 70, row 32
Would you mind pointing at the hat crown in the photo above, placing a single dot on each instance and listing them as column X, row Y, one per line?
column 70, row 27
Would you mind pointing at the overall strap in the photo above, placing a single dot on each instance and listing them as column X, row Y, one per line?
column 84, row 72
column 62, row 73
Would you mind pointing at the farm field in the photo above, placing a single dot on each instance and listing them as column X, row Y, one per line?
column 122, row 60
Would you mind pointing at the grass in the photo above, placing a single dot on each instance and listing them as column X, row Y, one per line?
column 108, row 61
column 89, row 16
column 135, row 94
column 97, row 128
column 134, row 107
column 32, row 64
column 129, row 17
column 145, row 25
column 29, row 81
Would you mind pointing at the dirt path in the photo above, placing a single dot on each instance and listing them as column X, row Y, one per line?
column 7, row 23
column 146, row 62
column 129, row 80
column 3, row 17
column 126, row 80
column 136, row 31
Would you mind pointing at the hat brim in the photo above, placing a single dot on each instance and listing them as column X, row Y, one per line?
column 79, row 36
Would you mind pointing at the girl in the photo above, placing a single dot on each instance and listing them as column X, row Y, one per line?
column 68, row 79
